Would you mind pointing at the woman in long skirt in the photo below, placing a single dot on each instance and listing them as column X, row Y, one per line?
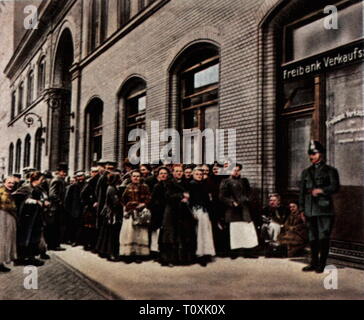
column 108, row 241
column 7, row 225
column 200, row 204
column 134, row 236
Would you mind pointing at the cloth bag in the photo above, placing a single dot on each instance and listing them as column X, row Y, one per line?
column 243, row 235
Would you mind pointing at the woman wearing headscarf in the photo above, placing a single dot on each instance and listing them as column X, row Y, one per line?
column 8, row 219
column 295, row 232
column 134, row 236
column 31, row 199
column 108, row 242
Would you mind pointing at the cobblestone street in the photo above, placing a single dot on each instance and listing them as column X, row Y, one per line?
column 57, row 281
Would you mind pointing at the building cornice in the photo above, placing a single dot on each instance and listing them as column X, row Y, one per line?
column 48, row 11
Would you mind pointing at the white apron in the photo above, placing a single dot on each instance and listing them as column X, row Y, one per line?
column 243, row 235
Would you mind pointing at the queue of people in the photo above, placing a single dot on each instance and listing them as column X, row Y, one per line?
column 174, row 214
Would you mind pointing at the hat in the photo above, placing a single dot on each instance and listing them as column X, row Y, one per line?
column 101, row 161
column 110, row 162
column 28, row 170
column 315, row 147
column 62, row 167
column 80, row 173
column 48, row 174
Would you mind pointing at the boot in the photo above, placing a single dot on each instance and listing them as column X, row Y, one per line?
column 4, row 269
column 324, row 253
column 314, row 257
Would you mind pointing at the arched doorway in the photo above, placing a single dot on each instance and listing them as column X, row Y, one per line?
column 59, row 100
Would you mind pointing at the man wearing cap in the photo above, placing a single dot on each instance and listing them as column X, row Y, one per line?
column 56, row 218
column 318, row 183
column 74, row 208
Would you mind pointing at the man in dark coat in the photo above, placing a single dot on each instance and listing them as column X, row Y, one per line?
column 234, row 193
column 55, row 219
column 105, row 167
column 89, row 202
column 318, row 183
column 74, row 209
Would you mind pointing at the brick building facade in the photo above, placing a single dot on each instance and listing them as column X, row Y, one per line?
column 93, row 69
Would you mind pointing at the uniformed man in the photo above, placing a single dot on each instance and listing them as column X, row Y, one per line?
column 318, row 183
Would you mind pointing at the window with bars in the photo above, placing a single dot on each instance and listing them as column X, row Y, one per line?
column 18, row 156
column 199, row 94
column 95, row 128
column 11, row 159
column 13, row 105
column 135, row 108
column 20, row 97
column 30, row 88
column 41, row 75
column 26, row 159
column 98, row 23
column 38, row 149
column 124, row 12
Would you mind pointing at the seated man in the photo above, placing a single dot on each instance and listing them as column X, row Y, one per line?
column 273, row 217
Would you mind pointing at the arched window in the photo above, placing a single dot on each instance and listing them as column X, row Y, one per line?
column 133, row 98
column 98, row 23
column 26, row 159
column 11, row 159
column 21, row 97
column 195, row 81
column 38, row 149
column 30, row 88
column 18, row 156
column 41, row 75
column 124, row 12
column 13, row 105
column 94, row 115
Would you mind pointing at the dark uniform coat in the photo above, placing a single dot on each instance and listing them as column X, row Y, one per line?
column 320, row 176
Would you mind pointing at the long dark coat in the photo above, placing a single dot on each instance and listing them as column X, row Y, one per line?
column 72, row 200
column 111, row 215
column 238, row 190
column 30, row 222
column 158, row 205
column 178, row 226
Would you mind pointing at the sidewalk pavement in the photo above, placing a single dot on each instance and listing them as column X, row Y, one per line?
column 56, row 281
column 224, row 279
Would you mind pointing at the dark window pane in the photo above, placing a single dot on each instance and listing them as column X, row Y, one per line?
column 314, row 38
column 299, row 92
column 190, row 119
column 298, row 141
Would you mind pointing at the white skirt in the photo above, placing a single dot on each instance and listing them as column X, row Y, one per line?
column 154, row 246
column 133, row 239
column 205, row 241
column 243, row 235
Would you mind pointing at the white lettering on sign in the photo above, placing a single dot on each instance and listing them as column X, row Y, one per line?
column 344, row 116
column 344, row 141
column 323, row 63
column 344, row 131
